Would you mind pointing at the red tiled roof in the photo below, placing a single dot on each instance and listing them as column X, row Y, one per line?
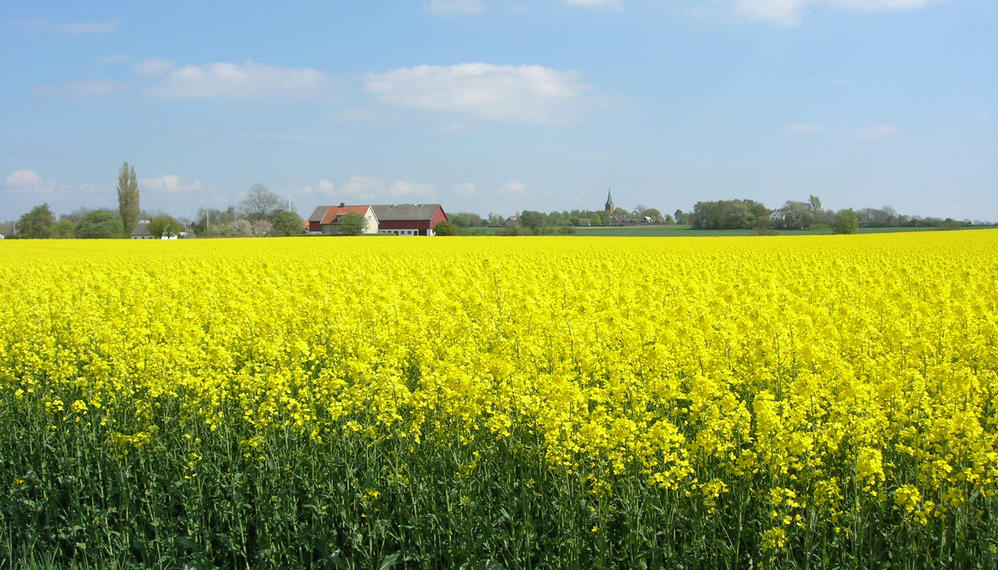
column 334, row 211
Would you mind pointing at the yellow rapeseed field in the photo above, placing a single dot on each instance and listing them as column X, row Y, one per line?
column 808, row 400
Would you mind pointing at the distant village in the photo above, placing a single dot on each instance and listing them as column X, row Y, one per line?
column 423, row 219
column 263, row 213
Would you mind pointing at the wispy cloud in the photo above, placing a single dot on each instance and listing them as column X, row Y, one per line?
column 171, row 184
column 369, row 188
column 514, row 187
column 406, row 189
column 467, row 189
column 595, row 3
column 454, row 127
column 361, row 115
column 78, row 28
column 875, row 132
column 28, row 182
column 363, row 187
column 29, row 26
column 83, row 87
column 454, row 7
column 235, row 80
column 525, row 93
column 788, row 12
column 153, row 67
column 43, row 25
column 802, row 128
column 116, row 58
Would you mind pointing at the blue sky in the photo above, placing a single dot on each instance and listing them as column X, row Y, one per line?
column 501, row 106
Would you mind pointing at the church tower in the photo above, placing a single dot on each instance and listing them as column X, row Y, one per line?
column 609, row 207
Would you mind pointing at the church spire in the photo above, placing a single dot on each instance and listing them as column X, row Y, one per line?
column 609, row 207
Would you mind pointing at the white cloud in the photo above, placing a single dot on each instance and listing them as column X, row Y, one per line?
column 171, row 184
column 78, row 28
column 875, row 132
column 363, row 187
column 153, row 67
column 595, row 3
column 248, row 79
column 28, row 181
column 527, row 93
column 454, row 127
column 404, row 188
column 778, row 11
column 468, row 189
column 367, row 188
column 802, row 128
column 360, row 115
column 787, row 12
column 514, row 187
column 323, row 186
column 451, row 7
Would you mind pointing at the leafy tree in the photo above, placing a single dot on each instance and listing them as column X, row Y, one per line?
column 445, row 229
column 679, row 216
column 814, row 204
column 476, row 220
column 64, row 228
column 728, row 214
column 261, row 203
column 161, row 226
column 100, row 224
column 495, row 220
column 557, row 219
column 846, row 222
column 459, row 219
column 652, row 213
column 353, row 224
column 796, row 216
column 533, row 220
column 75, row 216
column 288, row 223
column 211, row 221
column 880, row 218
column 466, row 219
column 37, row 223
column 128, row 198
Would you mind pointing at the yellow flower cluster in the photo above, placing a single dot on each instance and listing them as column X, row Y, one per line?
column 825, row 366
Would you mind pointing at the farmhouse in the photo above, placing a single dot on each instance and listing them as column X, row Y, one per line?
column 326, row 219
column 409, row 219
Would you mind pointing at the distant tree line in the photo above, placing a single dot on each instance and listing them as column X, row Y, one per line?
column 263, row 213
column 795, row 215
column 532, row 222
column 260, row 213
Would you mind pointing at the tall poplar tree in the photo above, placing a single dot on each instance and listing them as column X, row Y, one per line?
column 128, row 197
